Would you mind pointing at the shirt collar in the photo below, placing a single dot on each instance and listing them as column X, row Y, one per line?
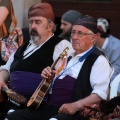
column 105, row 43
column 81, row 54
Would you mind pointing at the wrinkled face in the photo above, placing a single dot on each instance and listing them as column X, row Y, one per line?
column 82, row 38
column 39, row 28
column 65, row 27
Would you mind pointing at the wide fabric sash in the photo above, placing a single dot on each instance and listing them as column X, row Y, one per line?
column 62, row 91
column 24, row 83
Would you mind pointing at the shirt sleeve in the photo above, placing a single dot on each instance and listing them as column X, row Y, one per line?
column 115, row 61
column 100, row 77
column 60, row 47
column 8, row 64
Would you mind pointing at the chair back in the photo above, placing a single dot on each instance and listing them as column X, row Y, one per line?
column 114, row 86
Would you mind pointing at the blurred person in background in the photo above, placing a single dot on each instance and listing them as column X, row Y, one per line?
column 109, row 45
column 67, row 21
column 6, row 18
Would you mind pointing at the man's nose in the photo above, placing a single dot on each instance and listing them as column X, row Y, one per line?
column 33, row 25
column 61, row 26
column 74, row 36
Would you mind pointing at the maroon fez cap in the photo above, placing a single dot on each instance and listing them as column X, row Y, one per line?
column 41, row 9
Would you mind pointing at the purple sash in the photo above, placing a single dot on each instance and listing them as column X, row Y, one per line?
column 24, row 83
column 62, row 91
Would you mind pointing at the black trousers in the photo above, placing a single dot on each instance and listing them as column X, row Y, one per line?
column 42, row 113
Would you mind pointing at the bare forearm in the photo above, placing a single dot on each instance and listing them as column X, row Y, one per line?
column 3, row 17
column 4, row 75
column 91, row 99
column 72, row 108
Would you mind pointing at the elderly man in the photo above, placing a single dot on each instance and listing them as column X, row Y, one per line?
column 27, row 63
column 85, row 79
column 67, row 21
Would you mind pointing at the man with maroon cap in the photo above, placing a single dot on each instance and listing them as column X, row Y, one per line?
column 27, row 63
column 84, row 80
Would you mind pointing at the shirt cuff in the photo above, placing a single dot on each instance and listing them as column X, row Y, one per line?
column 101, row 94
column 4, row 68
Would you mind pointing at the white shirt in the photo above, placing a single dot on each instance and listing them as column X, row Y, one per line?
column 99, row 77
column 33, row 47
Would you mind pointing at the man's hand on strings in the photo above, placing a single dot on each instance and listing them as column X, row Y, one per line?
column 47, row 73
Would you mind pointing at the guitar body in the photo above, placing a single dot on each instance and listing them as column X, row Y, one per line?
column 39, row 94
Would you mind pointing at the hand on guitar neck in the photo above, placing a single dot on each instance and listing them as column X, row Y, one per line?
column 48, row 74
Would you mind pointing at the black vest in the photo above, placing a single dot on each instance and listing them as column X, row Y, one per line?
column 36, row 62
column 82, row 87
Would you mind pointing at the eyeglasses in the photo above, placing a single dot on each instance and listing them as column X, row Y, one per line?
column 80, row 34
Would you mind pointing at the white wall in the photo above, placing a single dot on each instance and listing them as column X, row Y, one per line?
column 28, row 4
column 19, row 11
column 21, row 8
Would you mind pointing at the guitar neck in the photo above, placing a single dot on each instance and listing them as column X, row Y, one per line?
column 14, row 97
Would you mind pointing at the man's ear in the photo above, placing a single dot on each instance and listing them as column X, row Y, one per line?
column 51, row 26
column 98, row 35
column 95, row 36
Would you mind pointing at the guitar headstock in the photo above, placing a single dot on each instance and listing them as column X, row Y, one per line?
column 16, row 98
column 64, row 53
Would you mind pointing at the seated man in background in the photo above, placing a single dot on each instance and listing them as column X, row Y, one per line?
column 67, row 21
column 85, row 80
column 109, row 45
column 26, row 64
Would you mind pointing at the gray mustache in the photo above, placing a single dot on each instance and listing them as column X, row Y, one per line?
column 34, row 33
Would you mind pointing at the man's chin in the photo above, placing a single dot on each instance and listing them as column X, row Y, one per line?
column 35, row 38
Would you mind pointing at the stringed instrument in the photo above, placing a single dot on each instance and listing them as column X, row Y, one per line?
column 44, row 86
column 13, row 96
